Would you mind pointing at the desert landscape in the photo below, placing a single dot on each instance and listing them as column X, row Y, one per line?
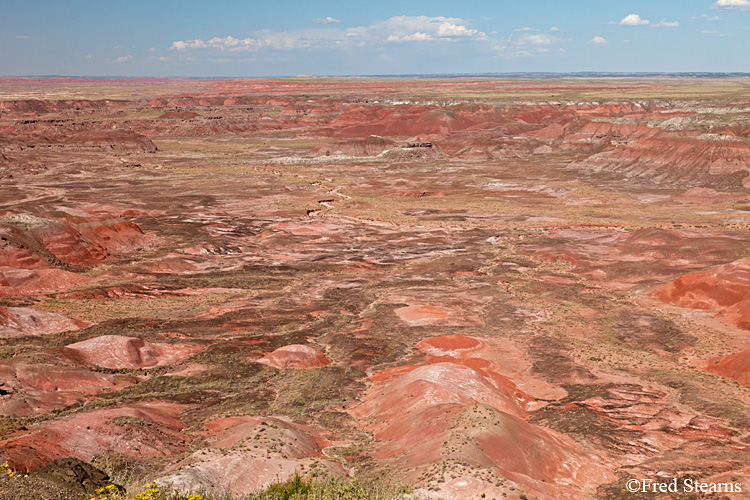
column 451, row 288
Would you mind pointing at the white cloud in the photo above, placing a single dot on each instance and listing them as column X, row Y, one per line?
column 665, row 24
column 732, row 5
column 448, row 29
column 715, row 33
column 554, row 29
column 715, row 18
column 88, row 56
column 525, row 28
column 535, row 39
column 395, row 29
column 634, row 20
column 325, row 20
column 22, row 37
column 123, row 59
column 414, row 37
column 598, row 40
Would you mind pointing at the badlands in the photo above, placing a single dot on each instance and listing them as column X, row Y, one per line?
column 471, row 287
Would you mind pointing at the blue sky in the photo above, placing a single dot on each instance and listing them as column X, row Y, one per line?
column 279, row 38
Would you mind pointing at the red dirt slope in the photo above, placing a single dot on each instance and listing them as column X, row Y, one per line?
column 140, row 430
column 725, row 289
column 118, row 352
column 735, row 366
column 295, row 356
column 22, row 321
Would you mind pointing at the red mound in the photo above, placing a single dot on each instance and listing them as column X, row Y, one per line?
column 32, row 389
column 255, row 451
column 25, row 281
column 447, row 344
column 735, row 366
column 31, row 242
column 118, row 352
column 67, row 244
column 14, row 253
column 115, row 234
column 140, row 430
column 22, row 321
column 725, row 289
column 299, row 441
column 295, row 356
column 416, row 414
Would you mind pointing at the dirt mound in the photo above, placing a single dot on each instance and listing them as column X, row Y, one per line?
column 118, row 352
column 725, row 290
column 298, row 440
column 448, row 345
column 295, row 356
column 254, row 451
column 27, row 281
column 37, row 388
column 416, row 414
column 15, row 254
column 31, row 242
column 735, row 366
column 114, row 234
column 23, row 321
column 67, row 244
column 140, row 430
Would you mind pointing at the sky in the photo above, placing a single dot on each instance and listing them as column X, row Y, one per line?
column 233, row 38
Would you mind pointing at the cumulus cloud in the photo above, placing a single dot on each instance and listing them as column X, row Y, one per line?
column 123, row 59
column 325, row 20
column 665, row 24
column 525, row 45
column 382, row 37
column 598, row 40
column 414, row 37
column 399, row 27
column 634, row 20
column 535, row 39
column 395, row 29
column 732, row 5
